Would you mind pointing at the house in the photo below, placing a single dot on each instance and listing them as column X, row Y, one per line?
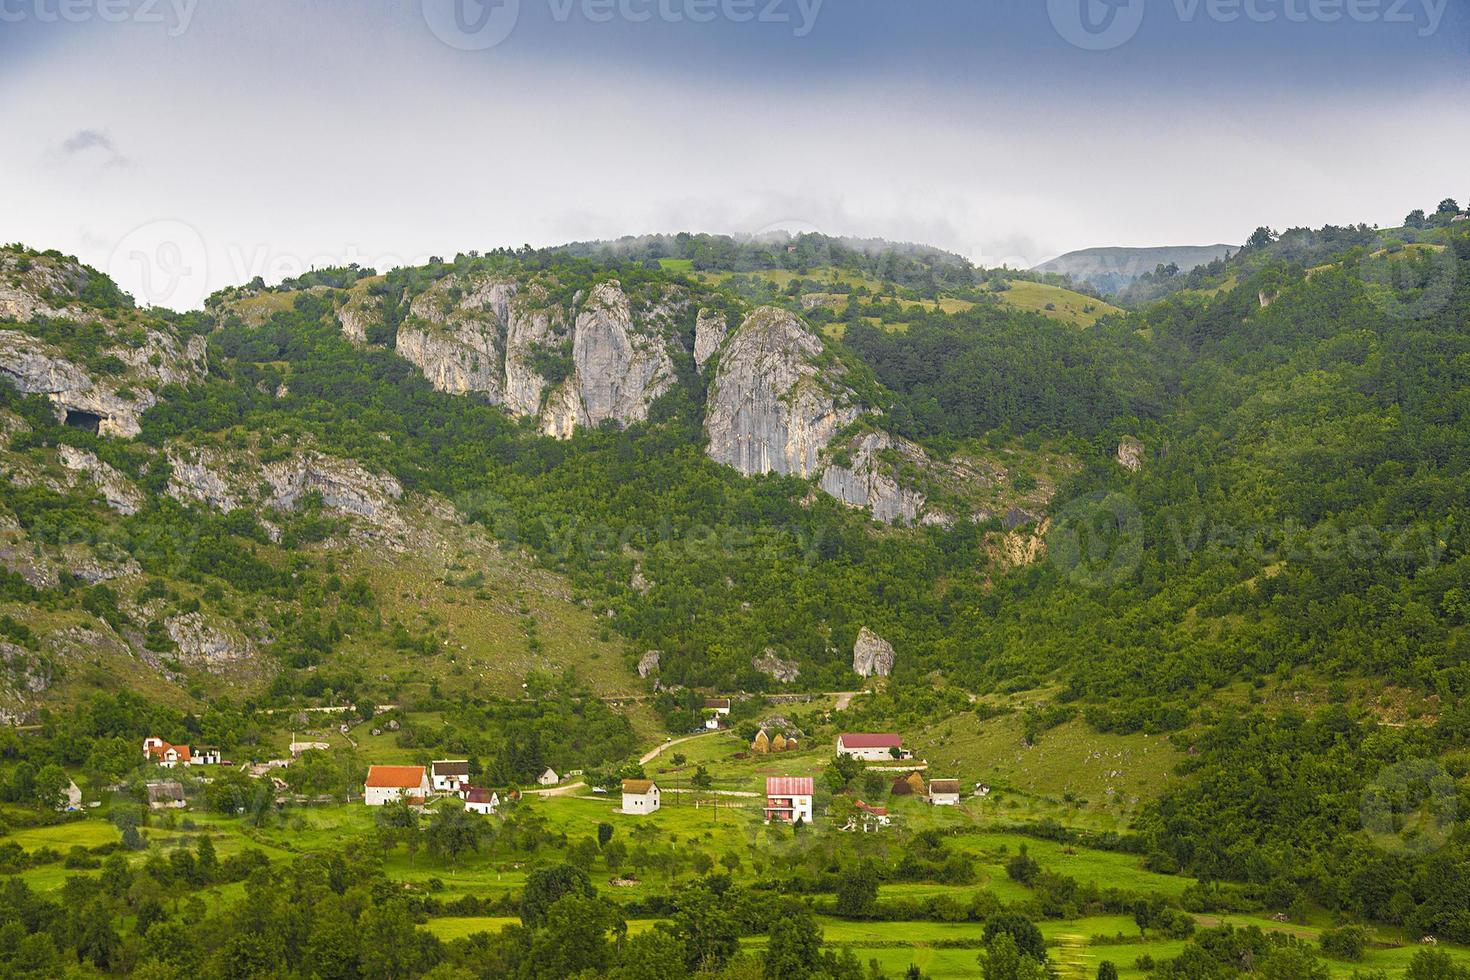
column 1460, row 217
column 870, row 747
column 875, row 815
column 720, row 706
column 640, row 796
column 548, row 778
column 165, row 795
column 388, row 783
column 166, row 755
column 477, row 800
column 450, row 775
column 205, row 755
column 944, row 792
column 789, row 799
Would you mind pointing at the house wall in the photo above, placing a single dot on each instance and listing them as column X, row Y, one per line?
column 945, row 799
column 866, row 755
column 641, row 803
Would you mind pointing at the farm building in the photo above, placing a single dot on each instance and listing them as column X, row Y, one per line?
column 450, row 775
column 870, row 747
column 165, row 795
column 944, row 792
column 548, row 778
column 388, row 783
column 477, row 800
column 789, row 799
column 204, row 755
column 876, row 816
column 640, row 796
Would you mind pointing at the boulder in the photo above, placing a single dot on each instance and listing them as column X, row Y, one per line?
column 1130, row 454
column 648, row 663
column 872, row 655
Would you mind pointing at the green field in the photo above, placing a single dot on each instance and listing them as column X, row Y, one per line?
column 1056, row 302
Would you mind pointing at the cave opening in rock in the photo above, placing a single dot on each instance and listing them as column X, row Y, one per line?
column 77, row 419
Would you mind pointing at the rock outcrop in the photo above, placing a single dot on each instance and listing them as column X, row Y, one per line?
column 119, row 492
column 865, row 474
column 567, row 365
column 201, row 642
column 710, row 328
column 1130, row 454
column 771, row 664
column 771, row 407
column 648, row 663
column 196, row 475
column 345, row 486
column 872, row 655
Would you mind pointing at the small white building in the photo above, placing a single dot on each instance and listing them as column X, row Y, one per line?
column 640, row 796
column 450, row 776
column 205, row 755
column 548, row 778
column 872, row 747
column 944, row 792
column 789, row 799
column 872, row 816
column 482, row 801
column 165, row 795
column 386, row 784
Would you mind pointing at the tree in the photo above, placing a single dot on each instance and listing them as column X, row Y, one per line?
column 1435, row 964
column 604, row 834
column 1293, row 963
column 706, row 930
column 701, row 779
column 545, row 886
column 1003, row 960
column 574, row 940
column 1448, row 206
column 652, row 955
column 1345, row 943
column 1023, row 932
column 452, row 831
column 50, row 786
column 1416, row 219
column 1023, row 868
column 389, row 942
column 857, row 891
column 1107, row 971
column 1261, row 238
column 795, row 945
column 841, row 771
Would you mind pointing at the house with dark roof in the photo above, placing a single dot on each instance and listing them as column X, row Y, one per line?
column 789, row 799
column 385, row 784
column 944, row 792
column 165, row 794
column 450, row 775
column 872, row 747
column 640, row 796
column 482, row 801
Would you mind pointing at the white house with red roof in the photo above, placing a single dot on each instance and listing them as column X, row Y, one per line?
column 385, row 784
column 166, row 755
column 483, row 801
column 789, row 799
column 871, row 746
column 876, row 816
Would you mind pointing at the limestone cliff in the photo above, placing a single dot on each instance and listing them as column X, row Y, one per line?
column 866, row 474
column 771, row 408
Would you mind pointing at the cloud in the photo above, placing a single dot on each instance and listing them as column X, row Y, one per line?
column 94, row 145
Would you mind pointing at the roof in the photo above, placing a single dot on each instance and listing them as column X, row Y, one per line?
column 165, row 791
column 789, row 786
column 477, row 795
column 877, row 811
column 717, row 702
column 451, row 767
column 162, row 748
column 395, row 777
column 637, row 787
column 870, row 741
column 944, row 785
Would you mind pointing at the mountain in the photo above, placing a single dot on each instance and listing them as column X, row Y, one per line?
column 1109, row 270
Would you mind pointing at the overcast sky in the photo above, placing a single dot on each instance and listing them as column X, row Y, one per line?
column 184, row 148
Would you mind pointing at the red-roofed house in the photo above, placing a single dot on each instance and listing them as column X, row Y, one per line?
column 789, row 799
column 166, row 755
column 388, row 783
column 872, row 747
column 483, row 801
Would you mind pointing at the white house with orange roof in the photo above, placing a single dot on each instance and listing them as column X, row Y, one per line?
column 166, row 755
column 386, row 784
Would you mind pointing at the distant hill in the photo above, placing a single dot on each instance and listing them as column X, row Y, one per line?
column 1111, row 269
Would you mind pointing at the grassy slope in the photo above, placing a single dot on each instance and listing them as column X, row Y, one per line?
column 1068, row 306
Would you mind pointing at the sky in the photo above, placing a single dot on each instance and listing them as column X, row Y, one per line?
column 186, row 145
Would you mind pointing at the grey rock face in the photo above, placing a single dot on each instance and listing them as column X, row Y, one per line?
column 872, row 655
column 119, row 492
column 770, row 408
column 196, row 477
column 201, row 642
column 620, row 370
column 360, row 311
column 344, row 484
column 454, row 334
column 648, row 663
column 868, row 479
column 710, row 329
column 770, row 664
